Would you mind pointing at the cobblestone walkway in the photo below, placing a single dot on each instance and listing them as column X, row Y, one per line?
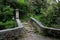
column 30, row 35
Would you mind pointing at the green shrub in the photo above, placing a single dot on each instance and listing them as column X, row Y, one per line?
column 48, row 14
column 22, row 5
column 21, row 1
column 6, row 15
column 24, row 9
column 2, row 25
column 9, row 24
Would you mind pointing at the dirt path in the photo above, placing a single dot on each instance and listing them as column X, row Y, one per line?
column 30, row 35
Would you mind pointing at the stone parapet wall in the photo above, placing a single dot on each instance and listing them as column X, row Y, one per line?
column 47, row 30
column 13, row 33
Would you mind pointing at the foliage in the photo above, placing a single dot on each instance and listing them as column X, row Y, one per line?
column 21, row 1
column 6, row 14
column 9, row 24
column 24, row 9
column 46, row 11
column 22, row 5
column 2, row 26
column 48, row 14
column 37, row 5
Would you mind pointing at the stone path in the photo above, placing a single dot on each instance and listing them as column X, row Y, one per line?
column 30, row 35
